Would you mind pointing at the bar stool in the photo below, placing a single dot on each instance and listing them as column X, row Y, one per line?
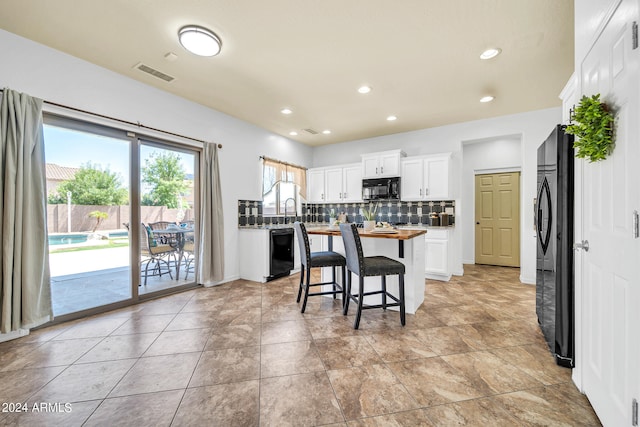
column 369, row 266
column 309, row 260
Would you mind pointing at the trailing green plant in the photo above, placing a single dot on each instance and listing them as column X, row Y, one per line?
column 592, row 124
column 369, row 213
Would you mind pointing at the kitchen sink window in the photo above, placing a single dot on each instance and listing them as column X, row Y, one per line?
column 283, row 186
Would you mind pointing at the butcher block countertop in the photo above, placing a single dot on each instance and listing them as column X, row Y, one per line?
column 395, row 234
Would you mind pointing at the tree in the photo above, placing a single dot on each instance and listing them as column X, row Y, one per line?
column 165, row 176
column 99, row 216
column 92, row 186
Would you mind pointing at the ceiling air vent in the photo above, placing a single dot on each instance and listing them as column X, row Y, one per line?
column 154, row 72
column 311, row 131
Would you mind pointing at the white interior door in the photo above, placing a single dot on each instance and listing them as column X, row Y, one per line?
column 608, row 280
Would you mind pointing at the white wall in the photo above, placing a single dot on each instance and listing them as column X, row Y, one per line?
column 533, row 127
column 54, row 76
column 485, row 156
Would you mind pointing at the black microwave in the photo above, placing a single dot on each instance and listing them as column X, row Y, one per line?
column 381, row 189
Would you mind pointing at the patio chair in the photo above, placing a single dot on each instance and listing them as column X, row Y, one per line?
column 157, row 254
column 189, row 247
column 166, row 239
column 189, row 257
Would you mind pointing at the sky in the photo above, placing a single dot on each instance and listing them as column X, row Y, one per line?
column 71, row 148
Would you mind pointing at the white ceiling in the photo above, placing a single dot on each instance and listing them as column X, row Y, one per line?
column 421, row 57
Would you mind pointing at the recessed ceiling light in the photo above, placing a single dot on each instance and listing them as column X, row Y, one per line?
column 199, row 40
column 490, row 53
column 364, row 89
column 286, row 111
column 293, row 133
column 488, row 98
column 392, row 118
column 326, row 131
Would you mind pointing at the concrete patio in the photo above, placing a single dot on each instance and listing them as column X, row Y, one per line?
column 91, row 278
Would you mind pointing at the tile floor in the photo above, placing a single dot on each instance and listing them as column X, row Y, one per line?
column 241, row 354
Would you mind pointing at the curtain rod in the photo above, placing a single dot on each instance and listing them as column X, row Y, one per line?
column 280, row 161
column 138, row 124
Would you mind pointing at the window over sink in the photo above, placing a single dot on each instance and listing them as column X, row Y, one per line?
column 283, row 199
column 282, row 186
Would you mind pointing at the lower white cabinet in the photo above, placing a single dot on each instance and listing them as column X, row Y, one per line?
column 437, row 254
column 254, row 245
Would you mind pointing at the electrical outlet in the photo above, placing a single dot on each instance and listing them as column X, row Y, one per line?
column 246, row 211
column 254, row 211
column 419, row 211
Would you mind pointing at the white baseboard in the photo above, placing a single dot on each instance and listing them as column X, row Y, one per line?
column 440, row 277
column 14, row 335
column 528, row 280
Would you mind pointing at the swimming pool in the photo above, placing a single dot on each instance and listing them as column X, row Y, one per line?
column 73, row 238
column 67, row 239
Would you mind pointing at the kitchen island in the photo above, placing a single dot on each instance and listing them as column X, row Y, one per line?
column 406, row 246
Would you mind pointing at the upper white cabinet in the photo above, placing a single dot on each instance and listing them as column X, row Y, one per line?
column 352, row 183
column 382, row 164
column 425, row 178
column 335, row 184
column 315, row 185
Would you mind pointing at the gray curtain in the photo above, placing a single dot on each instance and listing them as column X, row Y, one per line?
column 25, row 297
column 211, row 252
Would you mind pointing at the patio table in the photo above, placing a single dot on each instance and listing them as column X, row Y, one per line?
column 177, row 242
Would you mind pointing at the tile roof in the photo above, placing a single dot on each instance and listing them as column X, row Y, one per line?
column 60, row 173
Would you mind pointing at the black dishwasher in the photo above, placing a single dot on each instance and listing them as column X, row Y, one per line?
column 281, row 249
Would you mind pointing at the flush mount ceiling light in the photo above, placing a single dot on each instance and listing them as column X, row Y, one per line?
column 293, row 133
column 326, row 131
column 286, row 111
column 487, row 98
column 392, row 118
column 199, row 40
column 364, row 89
column 490, row 53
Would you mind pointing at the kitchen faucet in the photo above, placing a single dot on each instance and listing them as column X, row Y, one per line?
column 295, row 213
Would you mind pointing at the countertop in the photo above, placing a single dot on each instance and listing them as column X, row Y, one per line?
column 399, row 234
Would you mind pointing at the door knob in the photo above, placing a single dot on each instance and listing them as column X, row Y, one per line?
column 478, row 223
column 581, row 245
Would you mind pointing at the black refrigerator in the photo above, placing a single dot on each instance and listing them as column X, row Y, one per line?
column 554, row 229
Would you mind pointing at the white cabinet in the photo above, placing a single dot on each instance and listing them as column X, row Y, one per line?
column 437, row 254
column 254, row 247
column 335, row 184
column 425, row 178
column 352, row 183
column 411, row 179
column 315, row 185
column 315, row 243
column 382, row 164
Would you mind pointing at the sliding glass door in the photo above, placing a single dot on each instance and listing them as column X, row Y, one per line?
column 167, row 214
column 87, row 216
column 121, row 216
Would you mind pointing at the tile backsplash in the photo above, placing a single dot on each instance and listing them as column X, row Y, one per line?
column 250, row 212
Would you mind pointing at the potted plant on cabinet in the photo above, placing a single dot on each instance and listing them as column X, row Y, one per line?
column 369, row 215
